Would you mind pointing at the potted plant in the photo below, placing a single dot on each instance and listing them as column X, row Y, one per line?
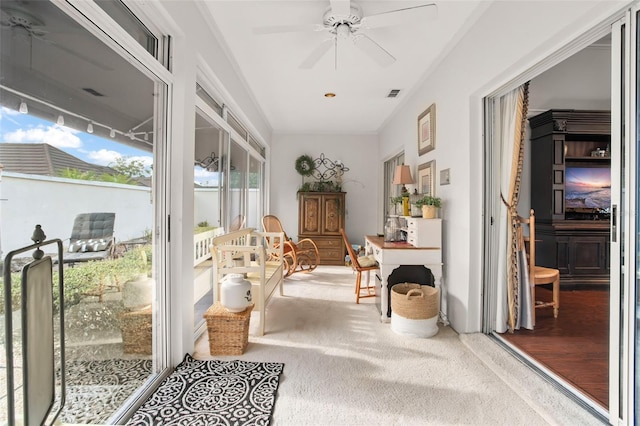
column 395, row 201
column 429, row 204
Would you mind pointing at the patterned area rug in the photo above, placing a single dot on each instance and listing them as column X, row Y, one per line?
column 96, row 389
column 213, row 393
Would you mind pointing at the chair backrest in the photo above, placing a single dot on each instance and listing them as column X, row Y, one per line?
column 271, row 223
column 528, row 243
column 352, row 254
column 92, row 226
column 237, row 223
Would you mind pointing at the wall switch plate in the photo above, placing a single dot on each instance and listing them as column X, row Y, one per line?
column 444, row 177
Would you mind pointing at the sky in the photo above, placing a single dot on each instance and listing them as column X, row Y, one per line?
column 24, row 128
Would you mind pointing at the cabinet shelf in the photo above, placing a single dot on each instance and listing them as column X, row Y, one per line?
column 589, row 158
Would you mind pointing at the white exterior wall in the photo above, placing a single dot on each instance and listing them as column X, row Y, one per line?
column 61, row 200
column 357, row 152
column 509, row 38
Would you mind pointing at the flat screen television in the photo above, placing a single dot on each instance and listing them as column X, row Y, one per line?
column 587, row 190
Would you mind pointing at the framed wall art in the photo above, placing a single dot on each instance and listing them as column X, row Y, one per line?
column 427, row 178
column 427, row 130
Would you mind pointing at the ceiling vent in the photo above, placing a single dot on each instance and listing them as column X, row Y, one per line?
column 393, row 93
column 93, row 92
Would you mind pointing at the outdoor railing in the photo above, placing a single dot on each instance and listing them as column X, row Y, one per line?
column 201, row 243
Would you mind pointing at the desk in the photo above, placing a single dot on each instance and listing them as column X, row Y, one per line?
column 391, row 255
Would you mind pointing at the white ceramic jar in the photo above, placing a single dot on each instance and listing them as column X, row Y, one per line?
column 235, row 293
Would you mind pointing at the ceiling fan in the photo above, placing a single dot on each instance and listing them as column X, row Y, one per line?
column 14, row 18
column 344, row 21
column 26, row 26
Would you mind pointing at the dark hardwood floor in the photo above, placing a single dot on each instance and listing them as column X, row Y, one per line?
column 575, row 345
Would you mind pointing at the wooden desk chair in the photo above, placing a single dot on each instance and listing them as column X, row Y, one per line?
column 301, row 256
column 538, row 275
column 356, row 266
column 237, row 223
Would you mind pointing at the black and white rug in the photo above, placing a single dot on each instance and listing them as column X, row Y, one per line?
column 97, row 388
column 213, row 392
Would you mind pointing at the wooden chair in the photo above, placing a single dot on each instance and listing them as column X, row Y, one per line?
column 302, row 256
column 538, row 275
column 356, row 266
column 237, row 223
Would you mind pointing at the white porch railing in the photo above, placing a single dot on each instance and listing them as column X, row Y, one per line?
column 201, row 243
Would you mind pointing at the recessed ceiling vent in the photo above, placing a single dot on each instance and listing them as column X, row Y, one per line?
column 93, row 92
column 393, row 93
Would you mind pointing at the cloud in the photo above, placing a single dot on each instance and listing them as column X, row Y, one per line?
column 58, row 136
column 144, row 159
column 104, row 157
column 7, row 114
column 8, row 111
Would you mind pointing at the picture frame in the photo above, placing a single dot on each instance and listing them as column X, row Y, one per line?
column 427, row 178
column 427, row 130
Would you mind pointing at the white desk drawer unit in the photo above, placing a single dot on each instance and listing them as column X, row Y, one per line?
column 424, row 232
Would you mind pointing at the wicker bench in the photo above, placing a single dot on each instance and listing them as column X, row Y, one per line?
column 257, row 255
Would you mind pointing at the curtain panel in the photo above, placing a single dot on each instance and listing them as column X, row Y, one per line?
column 510, row 125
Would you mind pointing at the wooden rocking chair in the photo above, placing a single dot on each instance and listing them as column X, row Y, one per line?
column 302, row 256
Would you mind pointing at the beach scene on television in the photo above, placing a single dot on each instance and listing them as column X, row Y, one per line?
column 588, row 188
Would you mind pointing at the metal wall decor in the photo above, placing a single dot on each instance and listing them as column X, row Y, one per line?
column 211, row 163
column 326, row 170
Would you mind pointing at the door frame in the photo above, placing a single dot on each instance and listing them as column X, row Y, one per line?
column 621, row 394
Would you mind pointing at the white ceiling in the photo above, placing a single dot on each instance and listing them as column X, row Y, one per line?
column 292, row 98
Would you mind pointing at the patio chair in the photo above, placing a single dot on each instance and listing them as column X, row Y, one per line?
column 91, row 238
column 302, row 256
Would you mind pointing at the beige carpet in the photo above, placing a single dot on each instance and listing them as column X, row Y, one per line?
column 344, row 367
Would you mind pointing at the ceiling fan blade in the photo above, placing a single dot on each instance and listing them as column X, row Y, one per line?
column 317, row 53
column 425, row 12
column 279, row 29
column 341, row 7
column 373, row 50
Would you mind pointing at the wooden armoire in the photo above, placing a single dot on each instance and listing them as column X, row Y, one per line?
column 320, row 217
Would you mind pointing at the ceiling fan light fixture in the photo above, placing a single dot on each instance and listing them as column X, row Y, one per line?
column 343, row 31
column 329, row 95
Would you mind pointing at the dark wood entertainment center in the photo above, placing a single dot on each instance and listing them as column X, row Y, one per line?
column 573, row 240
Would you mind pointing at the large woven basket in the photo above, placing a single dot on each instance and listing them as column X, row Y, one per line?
column 415, row 301
column 228, row 331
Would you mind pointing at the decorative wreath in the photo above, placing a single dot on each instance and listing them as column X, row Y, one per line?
column 305, row 165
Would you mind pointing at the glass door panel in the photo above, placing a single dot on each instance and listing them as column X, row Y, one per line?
column 254, row 206
column 237, row 170
column 207, row 213
column 74, row 153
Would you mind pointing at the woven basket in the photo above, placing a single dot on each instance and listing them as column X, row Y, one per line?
column 135, row 326
column 228, row 331
column 415, row 301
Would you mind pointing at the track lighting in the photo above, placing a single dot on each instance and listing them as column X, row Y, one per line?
column 76, row 119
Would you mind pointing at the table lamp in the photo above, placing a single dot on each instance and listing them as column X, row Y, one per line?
column 402, row 177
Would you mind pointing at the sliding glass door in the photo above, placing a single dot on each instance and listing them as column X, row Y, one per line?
column 83, row 146
column 625, row 124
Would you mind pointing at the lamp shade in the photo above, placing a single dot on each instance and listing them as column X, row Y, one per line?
column 402, row 175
